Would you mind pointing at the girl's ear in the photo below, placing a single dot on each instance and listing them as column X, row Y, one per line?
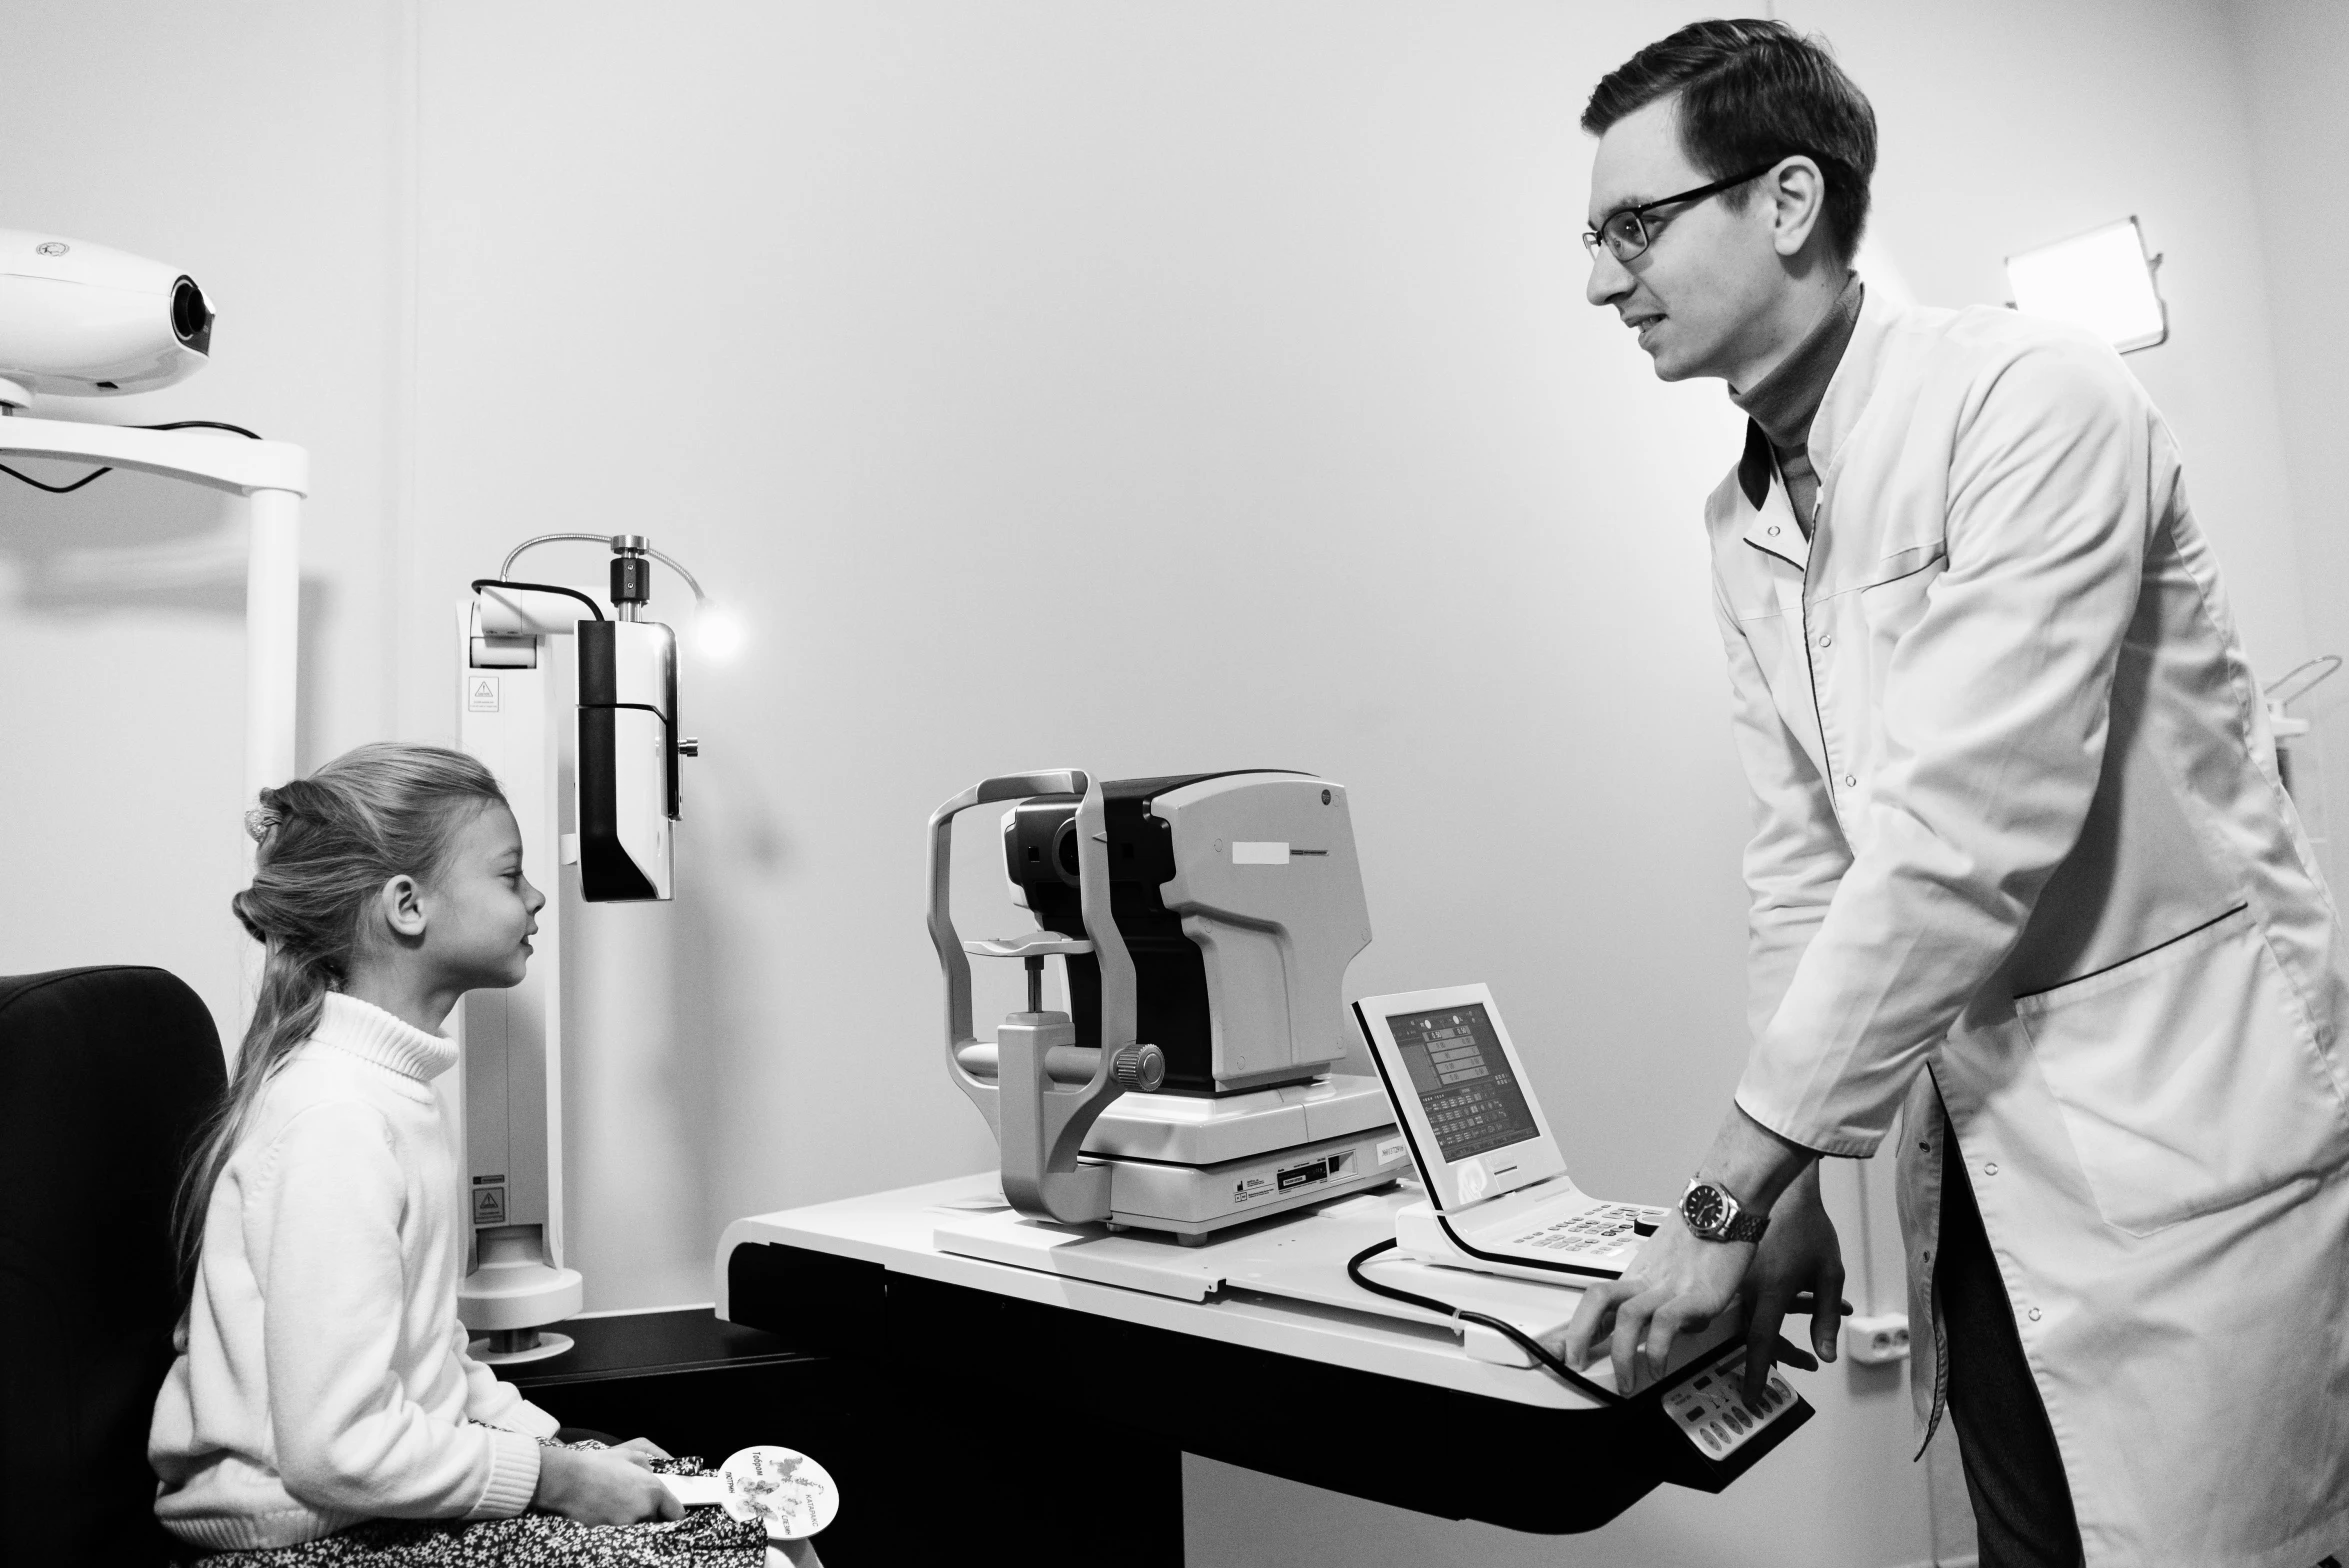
column 401, row 902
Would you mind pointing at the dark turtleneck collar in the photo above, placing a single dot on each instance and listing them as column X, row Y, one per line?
column 1784, row 402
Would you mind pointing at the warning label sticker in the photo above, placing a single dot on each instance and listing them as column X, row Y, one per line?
column 481, row 694
column 489, row 1205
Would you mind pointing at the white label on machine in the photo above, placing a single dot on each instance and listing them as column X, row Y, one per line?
column 481, row 694
column 1249, row 1188
column 1711, row 1412
column 1390, row 1151
column 1250, row 853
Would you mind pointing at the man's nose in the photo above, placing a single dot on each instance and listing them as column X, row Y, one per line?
column 1609, row 281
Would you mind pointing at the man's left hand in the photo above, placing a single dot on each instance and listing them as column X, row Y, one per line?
column 1799, row 1252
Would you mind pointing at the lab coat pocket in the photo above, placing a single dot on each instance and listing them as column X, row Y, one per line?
column 2188, row 1077
column 1894, row 599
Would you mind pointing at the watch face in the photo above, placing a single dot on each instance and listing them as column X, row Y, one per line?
column 1704, row 1208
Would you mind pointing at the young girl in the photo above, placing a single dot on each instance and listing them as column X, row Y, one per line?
column 322, row 1392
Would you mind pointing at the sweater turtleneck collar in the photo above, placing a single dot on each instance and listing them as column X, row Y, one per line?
column 370, row 1033
column 1785, row 401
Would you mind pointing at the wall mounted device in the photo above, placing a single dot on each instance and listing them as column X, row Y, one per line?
column 1204, row 923
column 2102, row 280
column 84, row 321
column 575, row 711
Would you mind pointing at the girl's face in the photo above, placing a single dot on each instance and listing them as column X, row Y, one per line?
column 483, row 910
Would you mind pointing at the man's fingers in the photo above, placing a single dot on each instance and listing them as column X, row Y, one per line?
column 1593, row 1319
column 1761, row 1341
column 1631, row 1331
column 1663, row 1329
column 1827, row 1313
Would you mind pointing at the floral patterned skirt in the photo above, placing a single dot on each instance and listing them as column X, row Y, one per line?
column 704, row 1538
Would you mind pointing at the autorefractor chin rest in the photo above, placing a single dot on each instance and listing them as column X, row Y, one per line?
column 1205, row 922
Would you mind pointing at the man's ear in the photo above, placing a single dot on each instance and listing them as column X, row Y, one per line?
column 1798, row 197
column 400, row 902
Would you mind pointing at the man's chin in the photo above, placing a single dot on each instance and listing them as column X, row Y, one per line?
column 1670, row 367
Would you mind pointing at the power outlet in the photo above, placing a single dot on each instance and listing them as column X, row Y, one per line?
column 1872, row 1341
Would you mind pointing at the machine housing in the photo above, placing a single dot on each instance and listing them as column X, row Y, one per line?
column 1216, row 931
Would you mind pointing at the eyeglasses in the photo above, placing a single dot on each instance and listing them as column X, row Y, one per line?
column 1626, row 231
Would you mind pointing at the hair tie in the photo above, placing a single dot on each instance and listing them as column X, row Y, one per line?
column 262, row 821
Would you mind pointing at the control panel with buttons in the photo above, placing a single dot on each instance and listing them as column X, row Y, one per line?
column 1710, row 1409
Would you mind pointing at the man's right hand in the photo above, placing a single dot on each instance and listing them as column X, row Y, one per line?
column 602, row 1486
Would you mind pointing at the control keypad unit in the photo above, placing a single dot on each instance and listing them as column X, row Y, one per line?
column 1609, row 1232
column 1711, row 1412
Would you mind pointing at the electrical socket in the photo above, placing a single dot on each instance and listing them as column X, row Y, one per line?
column 1874, row 1340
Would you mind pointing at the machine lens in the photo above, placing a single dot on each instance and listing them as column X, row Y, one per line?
column 191, row 318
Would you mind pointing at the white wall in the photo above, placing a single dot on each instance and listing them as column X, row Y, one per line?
column 2294, row 57
column 1142, row 387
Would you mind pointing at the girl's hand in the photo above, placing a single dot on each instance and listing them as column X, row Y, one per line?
column 602, row 1486
column 642, row 1445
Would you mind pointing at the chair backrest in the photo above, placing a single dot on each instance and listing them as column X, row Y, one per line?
column 106, row 1075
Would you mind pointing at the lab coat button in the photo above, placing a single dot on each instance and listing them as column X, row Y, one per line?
column 2034, row 1314
column 1850, row 781
column 1773, row 530
column 1990, row 1169
column 1826, row 640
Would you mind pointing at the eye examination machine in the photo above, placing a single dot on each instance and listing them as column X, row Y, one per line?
column 1204, row 922
column 575, row 710
column 1205, row 1233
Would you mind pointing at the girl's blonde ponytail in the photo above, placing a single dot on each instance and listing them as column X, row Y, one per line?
column 325, row 845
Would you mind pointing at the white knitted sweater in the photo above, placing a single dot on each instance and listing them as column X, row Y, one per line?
column 322, row 1376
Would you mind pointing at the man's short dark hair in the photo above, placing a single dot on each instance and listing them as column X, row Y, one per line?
column 1752, row 92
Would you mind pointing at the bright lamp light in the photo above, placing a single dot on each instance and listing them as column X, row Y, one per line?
column 2101, row 280
column 718, row 632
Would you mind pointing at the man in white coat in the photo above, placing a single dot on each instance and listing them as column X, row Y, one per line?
column 2023, row 871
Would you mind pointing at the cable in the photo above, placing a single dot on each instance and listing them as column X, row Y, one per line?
column 594, row 608
column 95, row 473
column 201, row 424
column 100, row 473
column 2277, row 694
column 1524, row 1341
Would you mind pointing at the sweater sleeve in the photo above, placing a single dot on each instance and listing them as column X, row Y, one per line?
column 494, row 1402
column 347, row 1435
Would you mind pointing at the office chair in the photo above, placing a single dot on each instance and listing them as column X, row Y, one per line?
column 106, row 1076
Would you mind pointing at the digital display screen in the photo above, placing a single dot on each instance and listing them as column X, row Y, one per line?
column 1463, row 1080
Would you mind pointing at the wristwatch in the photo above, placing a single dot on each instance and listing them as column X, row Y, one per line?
column 1716, row 1216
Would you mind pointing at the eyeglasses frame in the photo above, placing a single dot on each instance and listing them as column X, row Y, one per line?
column 1593, row 238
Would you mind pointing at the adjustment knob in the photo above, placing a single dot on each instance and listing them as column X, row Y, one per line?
column 1140, row 1067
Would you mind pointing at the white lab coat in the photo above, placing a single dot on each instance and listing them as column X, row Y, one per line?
column 2020, row 837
